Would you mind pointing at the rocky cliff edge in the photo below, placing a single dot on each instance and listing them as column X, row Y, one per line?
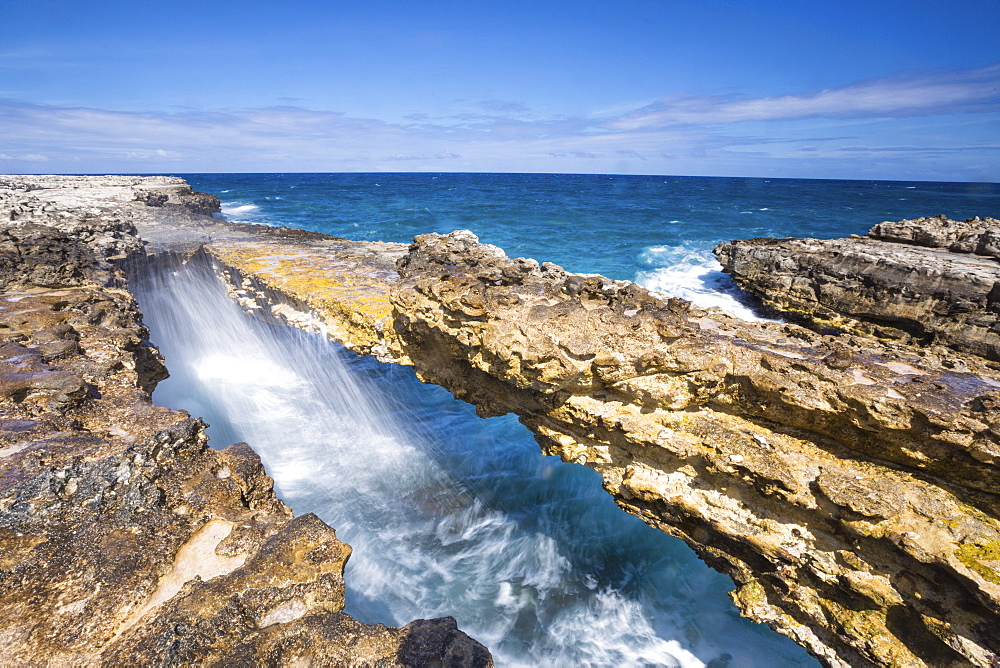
column 848, row 485
column 928, row 281
column 124, row 538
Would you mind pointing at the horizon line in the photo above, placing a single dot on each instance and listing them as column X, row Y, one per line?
column 609, row 174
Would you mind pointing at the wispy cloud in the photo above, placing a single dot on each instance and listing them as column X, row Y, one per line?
column 25, row 157
column 940, row 93
column 917, row 149
column 682, row 134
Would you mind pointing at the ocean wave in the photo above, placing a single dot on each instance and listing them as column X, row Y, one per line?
column 244, row 212
column 234, row 208
column 694, row 274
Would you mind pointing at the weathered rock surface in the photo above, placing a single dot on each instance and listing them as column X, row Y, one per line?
column 976, row 235
column 839, row 482
column 124, row 538
column 928, row 281
column 847, row 485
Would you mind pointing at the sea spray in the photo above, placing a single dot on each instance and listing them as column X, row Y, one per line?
column 691, row 272
column 447, row 514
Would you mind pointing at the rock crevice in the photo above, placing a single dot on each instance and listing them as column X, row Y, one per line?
column 124, row 538
column 845, row 483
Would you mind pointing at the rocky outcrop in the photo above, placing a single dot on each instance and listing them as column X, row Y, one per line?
column 124, row 538
column 839, row 482
column 976, row 235
column 927, row 281
column 847, row 485
column 337, row 286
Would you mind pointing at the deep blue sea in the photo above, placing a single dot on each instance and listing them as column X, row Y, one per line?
column 655, row 230
column 449, row 514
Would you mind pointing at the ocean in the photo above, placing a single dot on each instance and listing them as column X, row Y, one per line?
column 655, row 230
column 450, row 514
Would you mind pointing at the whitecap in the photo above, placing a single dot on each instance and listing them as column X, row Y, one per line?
column 231, row 208
column 694, row 274
column 244, row 212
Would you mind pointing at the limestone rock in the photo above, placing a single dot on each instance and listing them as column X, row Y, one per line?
column 843, row 483
column 124, row 538
column 848, row 486
column 928, row 281
column 976, row 235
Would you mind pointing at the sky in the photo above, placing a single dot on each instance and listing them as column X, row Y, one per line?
column 874, row 89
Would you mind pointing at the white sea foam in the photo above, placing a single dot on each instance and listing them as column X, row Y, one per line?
column 425, row 544
column 694, row 274
column 236, row 208
column 238, row 211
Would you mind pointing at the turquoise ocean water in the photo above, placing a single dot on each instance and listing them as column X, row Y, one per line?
column 450, row 514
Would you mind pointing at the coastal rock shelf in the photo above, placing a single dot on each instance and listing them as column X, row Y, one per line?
column 847, row 484
column 928, row 280
column 125, row 539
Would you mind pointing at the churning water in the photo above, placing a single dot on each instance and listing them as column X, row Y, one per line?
column 448, row 514
column 452, row 515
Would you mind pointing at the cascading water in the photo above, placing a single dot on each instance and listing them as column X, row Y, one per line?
column 448, row 514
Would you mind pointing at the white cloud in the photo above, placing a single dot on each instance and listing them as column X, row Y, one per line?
column 692, row 134
column 973, row 90
column 27, row 157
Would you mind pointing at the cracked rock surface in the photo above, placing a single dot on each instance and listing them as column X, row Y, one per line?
column 848, row 485
column 926, row 281
column 124, row 538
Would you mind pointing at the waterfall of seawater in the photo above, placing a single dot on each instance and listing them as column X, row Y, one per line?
column 448, row 514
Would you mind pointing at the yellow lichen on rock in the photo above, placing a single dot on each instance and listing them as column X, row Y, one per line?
column 349, row 295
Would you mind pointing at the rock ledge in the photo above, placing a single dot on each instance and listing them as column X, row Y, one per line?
column 927, row 281
column 124, row 538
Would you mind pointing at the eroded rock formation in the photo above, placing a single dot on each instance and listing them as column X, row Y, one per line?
column 839, row 482
column 928, row 280
column 847, row 484
column 124, row 538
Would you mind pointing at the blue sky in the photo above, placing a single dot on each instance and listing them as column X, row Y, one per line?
column 842, row 89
